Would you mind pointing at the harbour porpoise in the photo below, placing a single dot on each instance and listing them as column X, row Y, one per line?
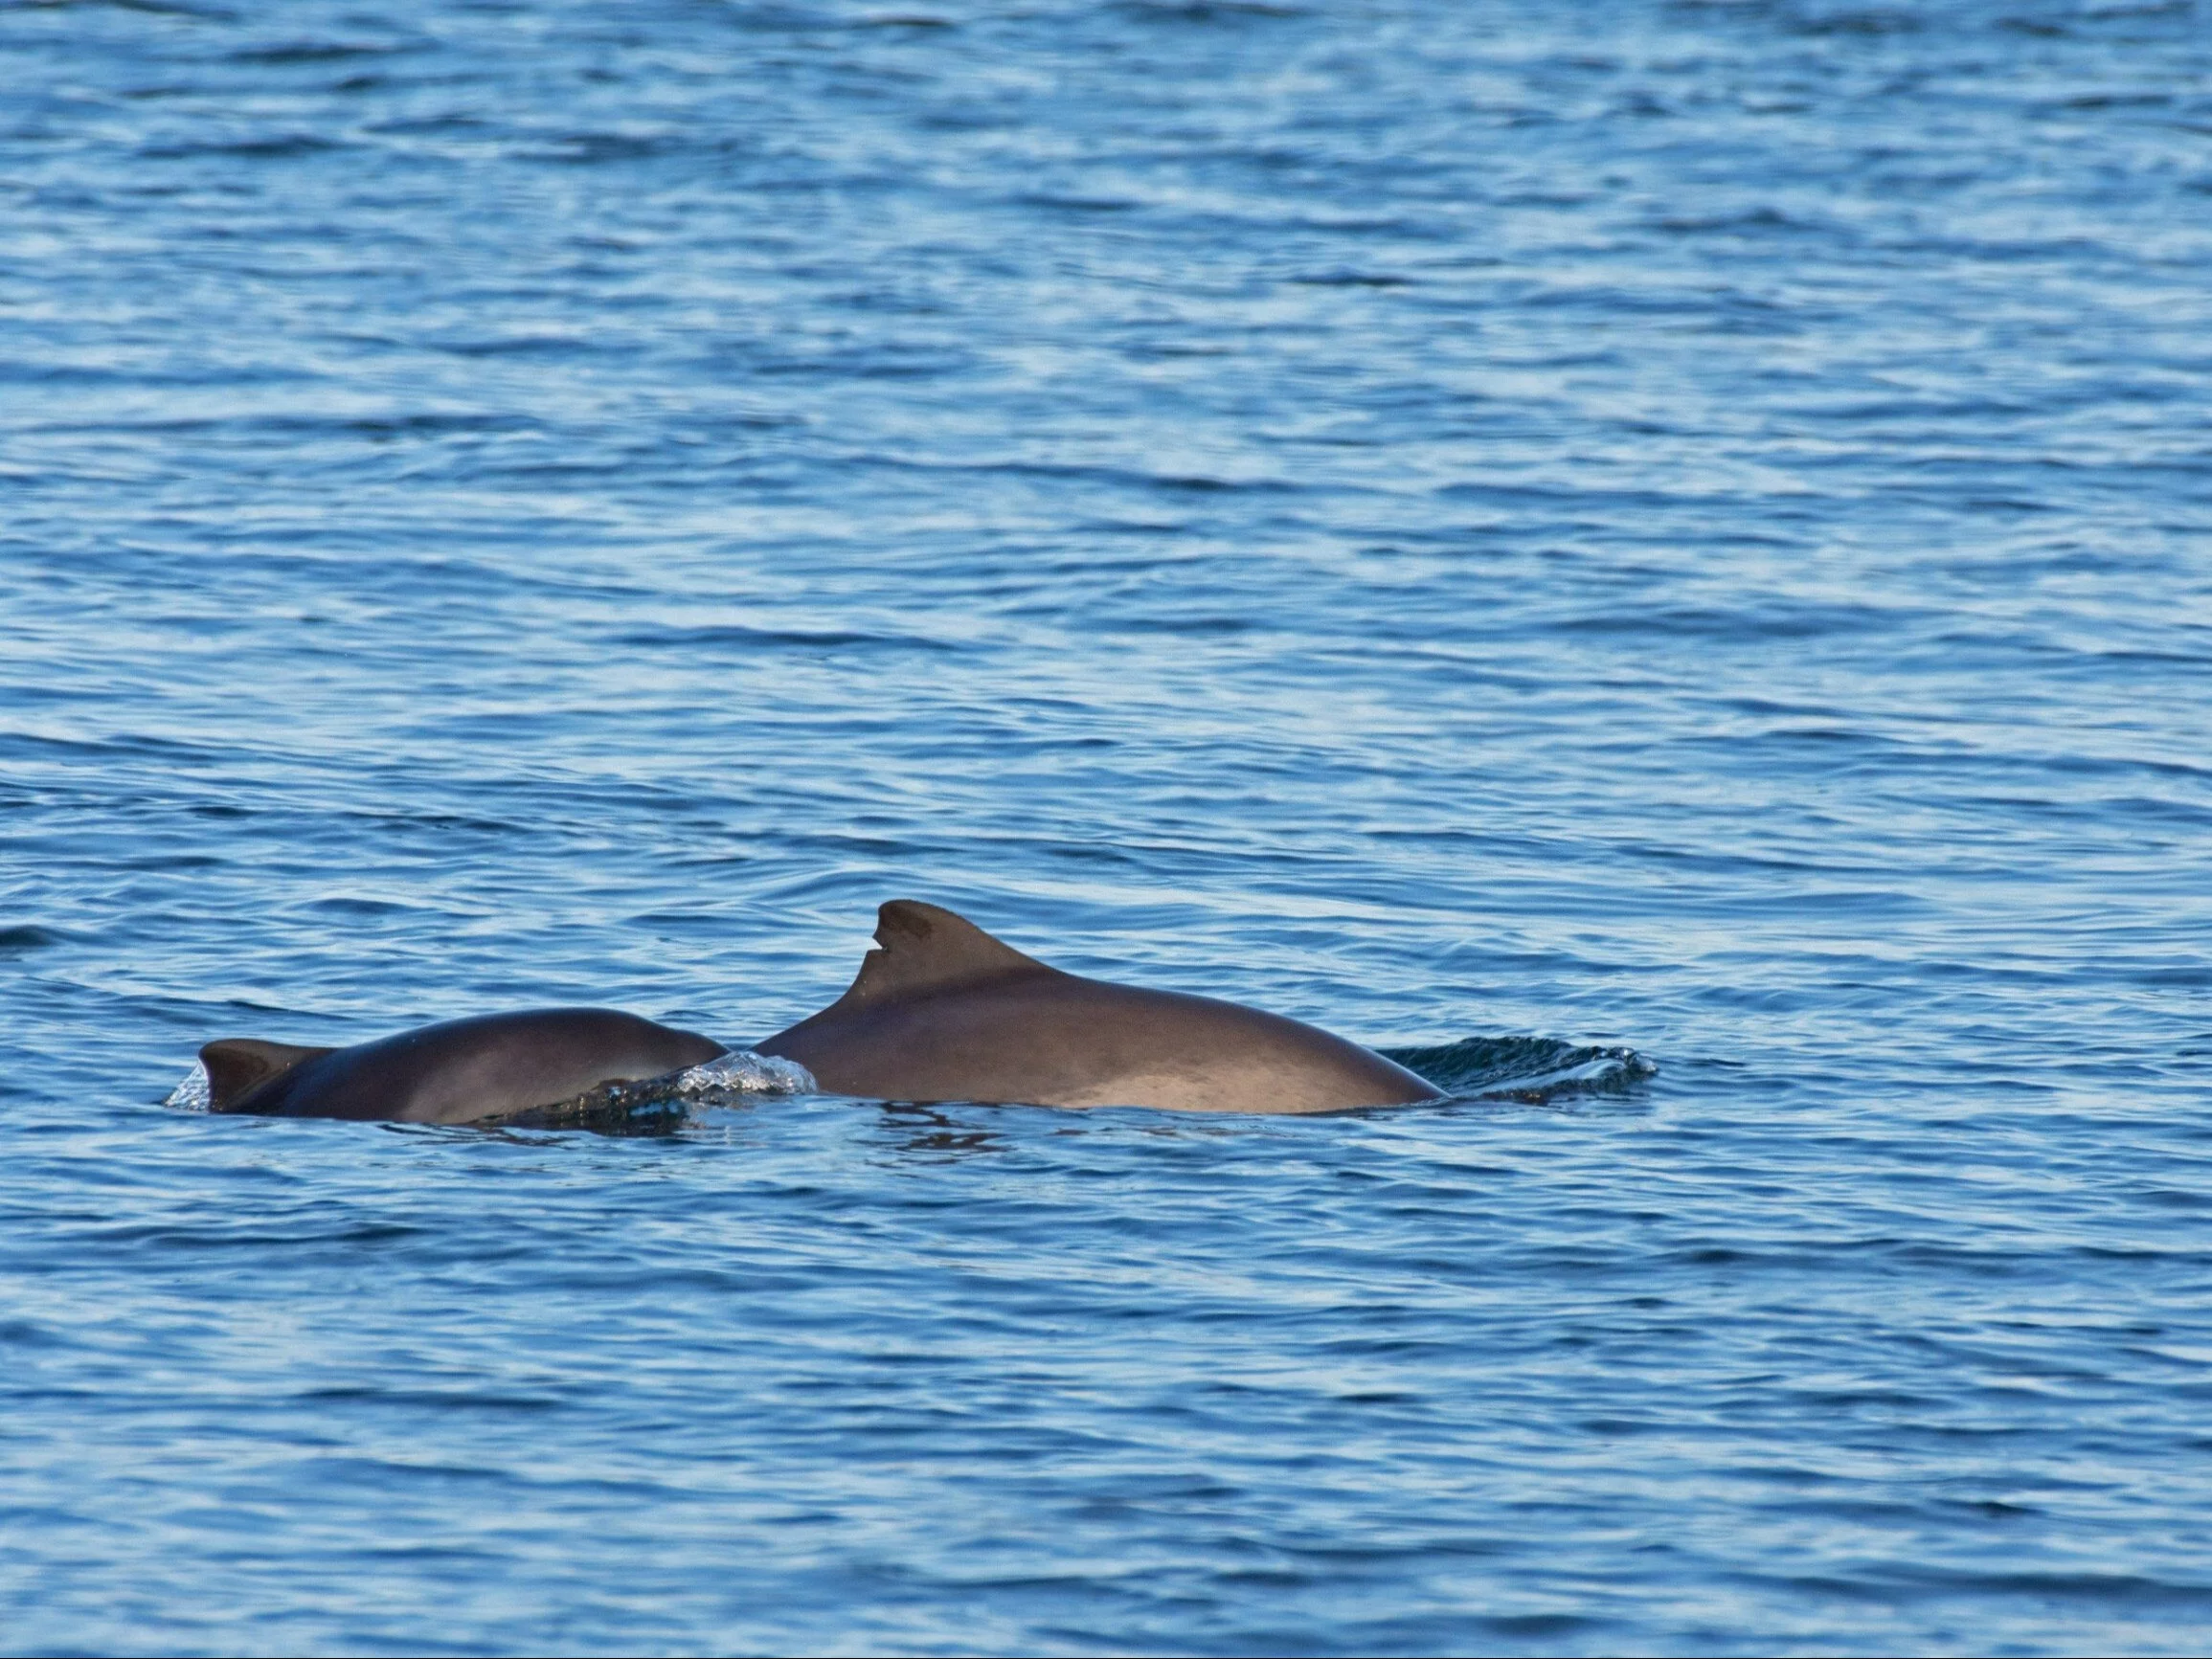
column 944, row 1012
column 941, row 1012
column 461, row 1071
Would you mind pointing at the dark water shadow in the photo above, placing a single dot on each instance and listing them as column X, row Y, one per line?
column 1528, row 1070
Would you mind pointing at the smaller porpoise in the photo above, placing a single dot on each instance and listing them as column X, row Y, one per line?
column 461, row 1071
column 944, row 1012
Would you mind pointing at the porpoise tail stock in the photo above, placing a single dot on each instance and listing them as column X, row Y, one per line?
column 944, row 1012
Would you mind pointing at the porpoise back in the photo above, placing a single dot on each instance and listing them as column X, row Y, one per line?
column 461, row 1071
column 945, row 1012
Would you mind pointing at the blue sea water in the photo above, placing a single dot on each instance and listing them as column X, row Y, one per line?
column 1561, row 540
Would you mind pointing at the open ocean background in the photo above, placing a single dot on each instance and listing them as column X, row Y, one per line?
column 1533, row 532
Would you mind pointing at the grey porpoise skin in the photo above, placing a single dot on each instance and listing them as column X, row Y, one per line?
column 944, row 1012
column 461, row 1071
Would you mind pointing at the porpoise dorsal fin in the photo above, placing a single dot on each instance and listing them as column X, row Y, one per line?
column 927, row 947
column 238, row 1065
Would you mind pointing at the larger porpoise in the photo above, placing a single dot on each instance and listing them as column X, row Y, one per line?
column 461, row 1071
column 945, row 1012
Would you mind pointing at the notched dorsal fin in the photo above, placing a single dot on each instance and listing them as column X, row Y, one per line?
column 238, row 1065
column 926, row 947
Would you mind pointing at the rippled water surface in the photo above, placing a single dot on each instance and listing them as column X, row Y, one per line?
column 1531, row 535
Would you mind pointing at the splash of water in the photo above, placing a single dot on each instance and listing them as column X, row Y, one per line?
column 1537, row 1070
column 193, row 1092
column 741, row 1071
column 663, row 1105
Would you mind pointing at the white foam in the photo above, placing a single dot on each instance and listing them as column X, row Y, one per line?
column 741, row 1071
column 193, row 1093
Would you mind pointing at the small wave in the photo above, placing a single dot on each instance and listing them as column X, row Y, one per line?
column 1537, row 1070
